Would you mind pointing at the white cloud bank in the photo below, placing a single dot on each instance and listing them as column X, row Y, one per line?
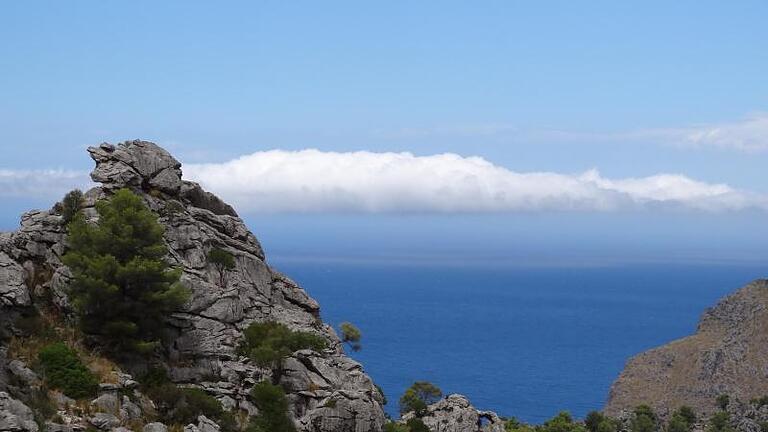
column 316, row 181
column 48, row 184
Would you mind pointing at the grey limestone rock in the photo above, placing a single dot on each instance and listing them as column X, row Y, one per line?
column 104, row 421
column 200, row 348
column 15, row 416
column 155, row 427
column 456, row 414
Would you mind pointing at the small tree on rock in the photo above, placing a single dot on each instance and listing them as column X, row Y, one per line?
column 122, row 287
column 351, row 336
column 223, row 262
column 70, row 206
column 418, row 396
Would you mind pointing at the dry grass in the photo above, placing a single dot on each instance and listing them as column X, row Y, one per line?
column 53, row 330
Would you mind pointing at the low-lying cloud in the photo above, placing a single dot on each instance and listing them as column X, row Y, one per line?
column 367, row 182
column 36, row 184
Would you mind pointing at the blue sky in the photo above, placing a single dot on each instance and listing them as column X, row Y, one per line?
column 630, row 89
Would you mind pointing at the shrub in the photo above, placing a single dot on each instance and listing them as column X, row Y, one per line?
column 562, row 422
column 384, row 400
column 416, row 425
column 678, row 424
column 720, row 422
column 418, row 396
column 514, row 425
column 395, row 427
column 273, row 409
column 351, row 336
column 64, row 370
column 70, row 206
column 644, row 419
column 722, row 401
column 222, row 261
column 268, row 343
column 759, row 402
column 178, row 405
column 593, row 419
column 122, row 286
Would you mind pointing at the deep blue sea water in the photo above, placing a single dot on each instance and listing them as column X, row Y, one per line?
column 522, row 342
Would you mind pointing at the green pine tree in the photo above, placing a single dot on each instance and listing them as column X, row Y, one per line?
column 122, row 285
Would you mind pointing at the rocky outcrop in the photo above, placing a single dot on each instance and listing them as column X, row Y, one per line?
column 200, row 347
column 15, row 416
column 456, row 414
column 727, row 355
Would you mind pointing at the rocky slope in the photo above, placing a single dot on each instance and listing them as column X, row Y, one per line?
column 728, row 354
column 329, row 392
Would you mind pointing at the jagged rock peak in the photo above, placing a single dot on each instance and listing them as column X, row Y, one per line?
column 143, row 165
column 328, row 391
column 728, row 354
column 137, row 163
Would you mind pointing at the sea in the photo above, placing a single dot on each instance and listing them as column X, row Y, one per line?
column 524, row 342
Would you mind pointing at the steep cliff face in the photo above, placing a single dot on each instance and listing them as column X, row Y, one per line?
column 328, row 391
column 727, row 355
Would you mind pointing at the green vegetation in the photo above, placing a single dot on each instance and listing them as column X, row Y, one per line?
column 222, row 261
column 597, row 422
column 682, row 420
column 63, row 370
column 273, row 409
column 384, row 400
column 418, row 396
column 70, row 206
column 644, row 419
column 759, row 402
column 720, row 422
column 176, row 405
column 562, row 422
column 268, row 343
column 122, row 287
column 351, row 336
column 395, row 427
column 722, row 401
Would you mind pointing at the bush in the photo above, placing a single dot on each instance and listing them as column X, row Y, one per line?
column 384, row 400
column 351, row 336
column 682, row 420
column 222, row 261
column 416, row 425
column 759, row 402
column 720, row 422
column 514, row 425
column 268, row 343
column 122, row 286
column 70, row 206
column 395, row 427
column 63, row 370
column 593, row 419
column 178, row 405
column 563, row 422
column 273, row 409
column 722, row 401
column 418, row 396
column 644, row 420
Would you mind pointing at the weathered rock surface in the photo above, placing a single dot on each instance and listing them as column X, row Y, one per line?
column 727, row 355
column 456, row 414
column 15, row 416
column 203, row 335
